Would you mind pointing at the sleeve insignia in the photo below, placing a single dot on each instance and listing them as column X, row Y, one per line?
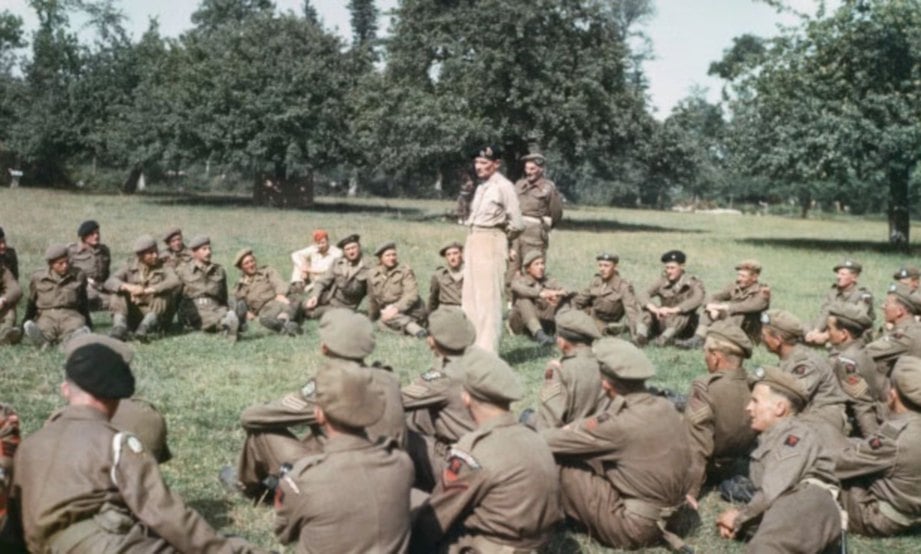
column 799, row 370
column 415, row 390
column 432, row 375
column 457, row 461
column 593, row 422
column 294, row 402
column 309, row 389
column 875, row 443
column 792, row 440
column 853, row 379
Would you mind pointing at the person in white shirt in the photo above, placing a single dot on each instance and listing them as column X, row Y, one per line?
column 313, row 261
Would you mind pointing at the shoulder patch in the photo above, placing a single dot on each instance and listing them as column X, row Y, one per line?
column 310, row 389
column 432, row 375
column 875, row 443
column 799, row 370
column 792, row 440
column 458, row 462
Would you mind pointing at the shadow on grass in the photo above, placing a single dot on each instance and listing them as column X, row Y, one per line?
column 523, row 354
column 320, row 206
column 843, row 245
column 215, row 510
column 613, row 225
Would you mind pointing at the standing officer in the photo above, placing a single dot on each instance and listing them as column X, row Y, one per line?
column 845, row 289
column 83, row 486
column 536, row 299
column 176, row 253
column 93, row 258
column 623, row 472
column 204, row 292
column 904, row 337
column 541, row 210
column 355, row 479
column 680, row 295
column 344, row 285
column 499, row 491
column 609, row 298
column 57, row 308
column 495, row 217
column 262, row 293
column 854, row 368
column 393, row 294
column 794, row 475
column 143, row 293
column 8, row 257
column 448, row 280
column 10, row 293
column 312, row 262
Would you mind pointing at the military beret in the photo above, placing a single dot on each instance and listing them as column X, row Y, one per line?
column 906, row 296
column 142, row 419
column 100, row 371
column 531, row 256
column 448, row 245
column 122, row 349
column 348, row 240
column 852, row 314
column 674, row 256
column 732, row 333
column 2, row 234
column 238, row 259
column 537, row 158
column 490, row 152
column 383, row 247
column 87, row 227
column 199, row 241
column 450, row 328
column 170, row 233
column 910, row 272
column 750, row 265
column 488, row 378
column 781, row 381
column 576, row 325
column 144, row 243
column 55, row 252
column 783, row 320
column 848, row 263
column 621, row 360
column 906, row 378
column 348, row 396
column 347, row 333
column 607, row 257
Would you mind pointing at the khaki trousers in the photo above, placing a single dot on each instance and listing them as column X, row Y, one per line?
column 485, row 255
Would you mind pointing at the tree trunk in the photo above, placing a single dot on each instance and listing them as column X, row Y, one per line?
column 899, row 220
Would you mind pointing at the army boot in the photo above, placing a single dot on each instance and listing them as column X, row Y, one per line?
column 147, row 325
column 230, row 326
column 291, row 328
column 119, row 328
column 11, row 336
column 543, row 338
column 31, row 329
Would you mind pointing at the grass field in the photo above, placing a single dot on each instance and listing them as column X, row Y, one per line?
column 202, row 384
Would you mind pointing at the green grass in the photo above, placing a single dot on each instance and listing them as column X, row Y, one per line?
column 202, row 384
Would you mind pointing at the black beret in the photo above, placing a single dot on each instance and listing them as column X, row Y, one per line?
column 490, row 152
column 87, row 227
column 674, row 256
column 348, row 240
column 2, row 234
column 100, row 371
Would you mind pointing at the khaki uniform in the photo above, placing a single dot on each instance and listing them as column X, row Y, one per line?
column 445, row 288
column 529, row 310
column 608, row 302
column 176, row 259
column 890, row 502
column 827, row 402
column 204, row 295
column 498, row 493
column 10, row 260
column 58, row 304
column 861, row 382
column 161, row 278
column 10, row 292
column 355, row 482
column 572, row 391
column 624, row 471
column 794, row 478
column 745, row 307
column 258, row 293
column 343, row 286
column 687, row 293
column 96, row 263
column 83, row 487
column 903, row 339
column 854, row 294
column 718, row 426
column 396, row 287
column 541, row 209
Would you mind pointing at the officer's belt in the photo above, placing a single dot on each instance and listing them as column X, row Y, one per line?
column 891, row 513
column 110, row 519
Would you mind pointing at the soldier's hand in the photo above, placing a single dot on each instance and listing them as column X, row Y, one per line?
column 725, row 523
column 512, row 255
column 311, row 303
column 282, row 298
column 389, row 313
column 250, row 316
column 692, row 502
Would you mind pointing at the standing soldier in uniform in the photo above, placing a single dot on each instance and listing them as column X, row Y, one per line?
column 904, row 337
column 262, row 293
column 10, row 293
column 740, row 303
column 854, row 368
column 393, row 294
column 609, row 298
column 448, row 280
column 909, row 276
column 8, row 257
column 92, row 257
column 541, row 210
column 499, row 491
column 793, row 472
column 465, row 197
column 204, row 303
column 176, row 253
column 536, row 299
column 680, row 296
column 142, row 293
column 845, row 289
column 344, row 285
column 312, row 262
column 57, row 308
column 623, row 472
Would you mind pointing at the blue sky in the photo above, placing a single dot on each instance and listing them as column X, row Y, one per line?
column 686, row 34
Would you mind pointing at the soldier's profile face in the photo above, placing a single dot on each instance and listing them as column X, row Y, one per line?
column 454, row 257
column 910, row 282
column 60, row 265
column 148, row 257
column 536, row 269
column 92, row 239
column 746, row 278
column 485, row 167
column 202, row 253
column 606, row 269
column 845, row 277
column 892, row 308
column 762, row 408
column 175, row 242
column 248, row 265
column 351, row 251
column 673, row 270
column 836, row 335
column 533, row 171
column 389, row 258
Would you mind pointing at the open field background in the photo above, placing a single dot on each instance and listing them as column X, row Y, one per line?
column 202, row 384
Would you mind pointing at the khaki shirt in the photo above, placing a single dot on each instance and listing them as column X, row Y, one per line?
column 259, row 289
column 495, row 204
column 161, row 278
column 343, row 286
column 176, row 260
column 904, row 338
column 356, row 483
column 719, row 428
column 826, row 399
column 95, row 262
column 10, row 291
column 861, row 382
column 572, row 391
column 854, row 294
column 434, row 405
column 50, row 291
column 526, row 286
column 610, row 300
column 539, row 200
column 752, row 299
column 394, row 287
column 208, row 281
column 687, row 293
column 445, row 288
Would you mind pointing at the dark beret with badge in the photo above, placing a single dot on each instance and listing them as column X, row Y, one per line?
column 353, row 238
column 783, row 383
column 347, row 334
column 576, row 326
column 449, row 245
column 348, row 397
column 674, row 256
column 906, row 378
column 241, row 255
column 451, row 329
column 488, row 378
column 383, row 247
column 100, row 371
column 607, row 257
column 55, row 252
column 170, row 233
column 489, row 152
column 144, row 243
column 848, row 263
column 908, row 298
column 784, row 321
column 622, row 360
column 909, row 272
column 852, row 315
column 87, row 227
column 199, row 241
column 727, row 331
column 122, row 349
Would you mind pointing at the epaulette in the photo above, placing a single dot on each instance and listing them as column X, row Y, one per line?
column 891, row 429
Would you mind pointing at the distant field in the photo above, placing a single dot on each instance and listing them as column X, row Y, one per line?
column 202, row 383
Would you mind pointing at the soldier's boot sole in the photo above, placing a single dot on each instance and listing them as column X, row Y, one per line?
column 36, row 337
column 12, row 336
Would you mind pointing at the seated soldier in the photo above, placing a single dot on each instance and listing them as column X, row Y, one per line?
column 448, row 280
column 10, row 293
column 204, row 303
column 261, row 293
column 536, row 299
column 393, row 294
column 903, row 336
column 355, row 479
column 881, row 473
column 740, row 303
column 680, row 295
column 57, row 308
column 435, row 413
column 176, row 253
column 143, row 293
column 344, row 285
column 720, row 431
column 793, row 473
column 8, row 257
column 609, row 298
column 312, row 262
column 845, row 289
column 93, row 258
column 854, row 368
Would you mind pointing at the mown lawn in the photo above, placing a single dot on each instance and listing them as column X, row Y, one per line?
column 202, row 383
